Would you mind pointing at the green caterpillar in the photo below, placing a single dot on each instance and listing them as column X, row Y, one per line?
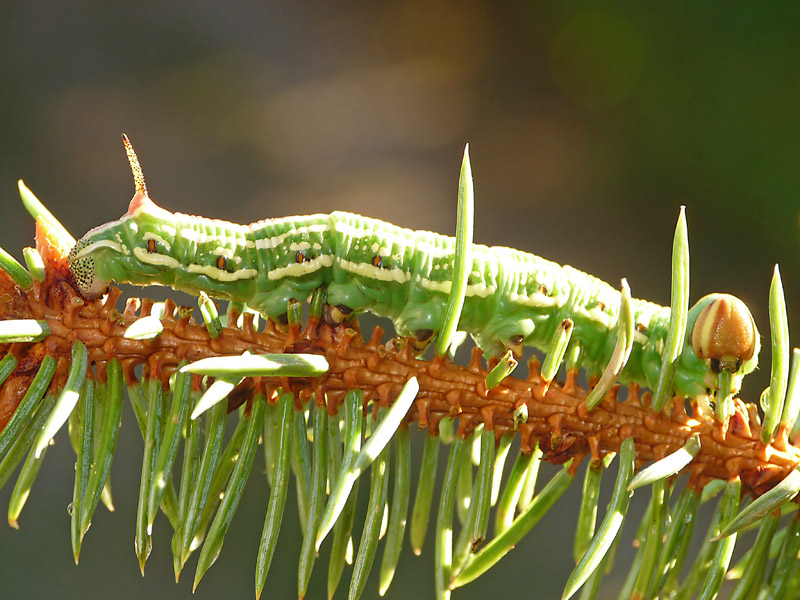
column 513, row 298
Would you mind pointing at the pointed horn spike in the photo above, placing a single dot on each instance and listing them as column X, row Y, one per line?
column 136, row 168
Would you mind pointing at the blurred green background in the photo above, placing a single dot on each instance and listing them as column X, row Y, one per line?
column 589, row 125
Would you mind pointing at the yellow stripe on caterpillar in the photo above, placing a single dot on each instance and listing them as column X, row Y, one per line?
column 94, row 246
column 298, row 269
column 154, row 258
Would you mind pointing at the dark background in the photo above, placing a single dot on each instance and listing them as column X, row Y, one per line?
column 588, row 126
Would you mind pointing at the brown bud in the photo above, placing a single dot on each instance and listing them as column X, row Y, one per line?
column 725, row 331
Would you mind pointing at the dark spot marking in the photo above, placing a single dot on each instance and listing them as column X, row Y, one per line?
column 732, row 364
column 423, row 334
column 543, row 290
column 641, row 328
column 516, row 340
column 151, row 246
column 300, row 257
column 345, row 310
column 377, row 261
column 222, row 263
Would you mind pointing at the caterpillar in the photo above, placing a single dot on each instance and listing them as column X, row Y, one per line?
column 513, row 299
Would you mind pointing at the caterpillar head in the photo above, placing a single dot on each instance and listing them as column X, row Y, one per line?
column 128, row 250
column 114, row 251
column 723, row 335
column 152, row 246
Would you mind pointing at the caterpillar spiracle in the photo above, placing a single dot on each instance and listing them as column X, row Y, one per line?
column 513, row 298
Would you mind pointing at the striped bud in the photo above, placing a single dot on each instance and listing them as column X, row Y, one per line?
column 725, row 333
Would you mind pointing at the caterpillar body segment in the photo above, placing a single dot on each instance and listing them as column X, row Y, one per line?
column 513, row 299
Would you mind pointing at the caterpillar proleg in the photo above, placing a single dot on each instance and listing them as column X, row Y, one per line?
column 513, row 298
